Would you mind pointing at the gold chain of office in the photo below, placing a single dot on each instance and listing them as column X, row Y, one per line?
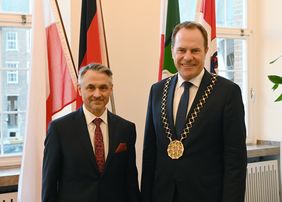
column 175, row 148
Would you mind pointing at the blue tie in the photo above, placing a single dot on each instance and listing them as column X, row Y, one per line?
column 182, row 109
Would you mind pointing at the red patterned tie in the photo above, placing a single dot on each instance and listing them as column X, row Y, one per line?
column 99, row 145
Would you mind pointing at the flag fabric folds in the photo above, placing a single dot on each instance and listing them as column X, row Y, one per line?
column 206, row 16
column 52, row 87
column 170, row 17
column 92, row 44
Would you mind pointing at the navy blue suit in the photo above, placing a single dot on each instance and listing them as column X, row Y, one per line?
column 70, row 172
column 213, row 166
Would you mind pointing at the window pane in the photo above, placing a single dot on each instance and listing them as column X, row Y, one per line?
column 13, row 133
column 232, row 63
column 14, row 68
column 187, row 10
column 231, row 13
column 15, row 6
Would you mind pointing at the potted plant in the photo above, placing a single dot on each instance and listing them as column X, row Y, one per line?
column 276, row 80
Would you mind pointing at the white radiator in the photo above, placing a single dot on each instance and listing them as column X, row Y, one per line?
column 262, row 184
column 9, row 197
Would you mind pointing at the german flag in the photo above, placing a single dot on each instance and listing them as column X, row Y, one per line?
column 92, row 45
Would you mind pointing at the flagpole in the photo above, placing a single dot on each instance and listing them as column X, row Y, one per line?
column 107, row 55
column 67, row 41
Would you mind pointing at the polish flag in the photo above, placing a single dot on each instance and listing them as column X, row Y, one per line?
column 206, row 16
column 52, row 87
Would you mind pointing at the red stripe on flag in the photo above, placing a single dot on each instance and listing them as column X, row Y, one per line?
column 161, row 57
column 93, row 50
column 208, row 10
column 62, row 91
column 49, row 61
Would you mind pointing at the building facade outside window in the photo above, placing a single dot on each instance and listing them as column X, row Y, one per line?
column 15, row 56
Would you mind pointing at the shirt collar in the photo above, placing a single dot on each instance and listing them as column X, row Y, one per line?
column 196, row 81
column 90, row 117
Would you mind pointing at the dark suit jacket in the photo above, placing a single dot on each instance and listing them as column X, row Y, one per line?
column 70, row 172
column 213, row 166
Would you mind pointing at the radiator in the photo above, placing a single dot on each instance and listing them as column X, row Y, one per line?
column 8, row 197
column 262, row 184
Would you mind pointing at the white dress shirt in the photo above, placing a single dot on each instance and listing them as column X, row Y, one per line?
column 91, row 128
column 192, row 91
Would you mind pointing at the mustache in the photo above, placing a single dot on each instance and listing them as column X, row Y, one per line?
column 188, row 63
column 97, row 98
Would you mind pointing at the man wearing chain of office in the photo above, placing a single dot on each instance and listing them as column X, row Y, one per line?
column 194, row 145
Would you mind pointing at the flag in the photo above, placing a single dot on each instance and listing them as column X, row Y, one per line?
column 52, row 86
column 170, row 17
column 92, row 44
column 206, row 16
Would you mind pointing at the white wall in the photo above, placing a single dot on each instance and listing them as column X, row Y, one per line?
column 268, row 36
column 133, row 40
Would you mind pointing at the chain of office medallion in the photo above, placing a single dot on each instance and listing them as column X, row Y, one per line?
column 194, row 114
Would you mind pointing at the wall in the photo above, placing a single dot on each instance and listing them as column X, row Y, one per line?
column 268, row 40
column 268, row 46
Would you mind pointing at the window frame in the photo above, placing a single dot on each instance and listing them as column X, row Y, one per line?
column 11, row 41
column 12, row 71
column 18, row 21
column 247, row 35
column 12, row 77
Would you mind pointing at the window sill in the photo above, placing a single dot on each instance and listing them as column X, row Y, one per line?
column 9, row 176
column 262, row 150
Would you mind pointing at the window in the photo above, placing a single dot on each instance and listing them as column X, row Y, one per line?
column 27, row 72
column 28, row 40
column 12, row 140
column 11, row 41
column 234, row 40
column 12, row 77
column 14, row 67
column 12, row 72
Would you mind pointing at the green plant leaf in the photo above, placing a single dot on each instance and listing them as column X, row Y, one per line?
column 271, row 62
column 275, row 79
column 275, row 86
column 279, row 98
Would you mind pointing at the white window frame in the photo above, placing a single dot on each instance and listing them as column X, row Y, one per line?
column 28, row 72
column 11, row 20
column 12, row 71
column 12, row 77
column 246, row 34
column 28, row 40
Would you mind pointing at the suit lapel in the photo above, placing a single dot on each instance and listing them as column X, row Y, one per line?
column 170, row 99
column 206, row 80
column 84, row 139
column 112, row 124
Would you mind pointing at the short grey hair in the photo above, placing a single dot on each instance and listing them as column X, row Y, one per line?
column 94, row 67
